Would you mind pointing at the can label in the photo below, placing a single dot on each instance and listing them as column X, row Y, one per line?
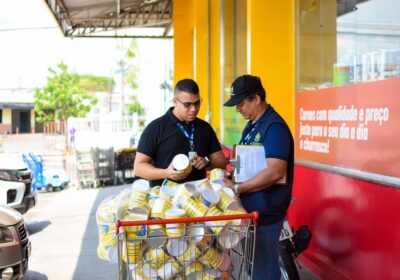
column 194, row 208
column 212, row 258
column 191, row 254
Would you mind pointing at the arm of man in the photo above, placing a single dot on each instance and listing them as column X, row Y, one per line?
column 276, row 171
column 217, row 160
column 144, row 169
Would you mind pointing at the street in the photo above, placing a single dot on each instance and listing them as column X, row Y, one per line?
column 63, row 233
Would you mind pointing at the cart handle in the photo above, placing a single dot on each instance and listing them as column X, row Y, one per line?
column 253, row 215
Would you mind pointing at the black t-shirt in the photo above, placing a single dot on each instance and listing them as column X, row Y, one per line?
column 162, row 140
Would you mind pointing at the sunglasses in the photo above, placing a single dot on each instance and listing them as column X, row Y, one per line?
column 188, row 105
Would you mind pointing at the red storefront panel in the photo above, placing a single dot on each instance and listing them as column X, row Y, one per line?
column 354, row 223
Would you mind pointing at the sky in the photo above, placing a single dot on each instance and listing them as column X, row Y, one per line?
column 31, row 42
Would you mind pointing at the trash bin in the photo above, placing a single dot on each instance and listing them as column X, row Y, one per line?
column 124, row 160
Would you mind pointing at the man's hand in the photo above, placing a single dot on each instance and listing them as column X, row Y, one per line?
column 176, row 175
column 199, row 162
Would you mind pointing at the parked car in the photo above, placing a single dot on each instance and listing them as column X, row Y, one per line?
column 15, row 247
column 16, row 184
column 56, row 180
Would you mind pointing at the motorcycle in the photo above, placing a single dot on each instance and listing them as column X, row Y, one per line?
column 292, row 244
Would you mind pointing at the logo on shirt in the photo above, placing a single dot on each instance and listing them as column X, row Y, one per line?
column 257, row 138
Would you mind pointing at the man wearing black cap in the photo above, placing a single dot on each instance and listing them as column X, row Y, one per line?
column 269, row 192
column 179, row 131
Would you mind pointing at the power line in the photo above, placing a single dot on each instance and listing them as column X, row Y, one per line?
column 27, row 28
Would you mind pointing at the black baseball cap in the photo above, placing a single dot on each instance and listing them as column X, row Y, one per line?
column 243, row 87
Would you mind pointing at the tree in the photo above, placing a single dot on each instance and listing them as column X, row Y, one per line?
column 63, row 96
column 129, row 69
column 135, row 107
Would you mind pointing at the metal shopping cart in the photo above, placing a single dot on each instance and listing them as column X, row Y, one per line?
column 212, row 247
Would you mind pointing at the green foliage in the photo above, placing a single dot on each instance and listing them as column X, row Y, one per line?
column 95, row 83
column 63, row 96
column 135, row 107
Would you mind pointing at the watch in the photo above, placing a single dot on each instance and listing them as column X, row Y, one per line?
column 208, row 161
column 236, row 189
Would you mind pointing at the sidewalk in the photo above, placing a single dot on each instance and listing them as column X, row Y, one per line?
column 63, row 232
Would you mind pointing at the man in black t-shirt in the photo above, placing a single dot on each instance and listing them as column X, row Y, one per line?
column 179, row 131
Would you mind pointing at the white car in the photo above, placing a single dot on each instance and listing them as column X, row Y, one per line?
column 16, row 184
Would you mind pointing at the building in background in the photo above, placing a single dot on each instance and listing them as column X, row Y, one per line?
column 17, row 111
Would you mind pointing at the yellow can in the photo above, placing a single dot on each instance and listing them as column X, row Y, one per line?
column 156, row 257
column 191, row 254
column 226, row 201
column 194, row 270
column 132, row 251
column 169, row 269
column 194, row 208
column 212, row 258
column 215, row 226
column 217, row 174
column 136, row 214
column 175, row 230
column 159, row 207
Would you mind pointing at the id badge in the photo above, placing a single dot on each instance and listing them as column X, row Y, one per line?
column 192, row 154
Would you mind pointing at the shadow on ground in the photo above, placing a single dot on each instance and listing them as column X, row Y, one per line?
column 33, row 275
column 35, row 227
column 89, row 265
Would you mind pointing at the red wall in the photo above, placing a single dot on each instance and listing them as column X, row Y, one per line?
column 355, row 225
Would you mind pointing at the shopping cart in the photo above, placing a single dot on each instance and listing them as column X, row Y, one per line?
column 212, row 247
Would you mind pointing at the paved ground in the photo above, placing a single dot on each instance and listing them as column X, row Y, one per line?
column 63, row 233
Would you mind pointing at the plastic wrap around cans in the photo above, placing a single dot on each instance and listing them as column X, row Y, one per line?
column 214, row 259
column 160, row 205
column 195, row 233
column 169, row 183
column 169, row 269
column 203, row 184
column 132, row 251
column 106, row 213
column 217, row 185
column 228, row 238
column 181, row 162
column 136, row 214
column 215, row 226
column 107, row 235
column 167, row 192
column 209, row 197
column 107, row 253
column 183, row 192
column 191, row 254
column 143, row 271
column 194, row 271
column 217, row 173
column 176, row 246
column 237, row 222
column 175, row 230
column 226, row 201
column 194, row 208
column 156, row 236
column 207, row 241
column 156, row 256
column 212, row 274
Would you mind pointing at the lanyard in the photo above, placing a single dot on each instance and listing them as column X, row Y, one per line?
column 249, row 135
column 189, row 137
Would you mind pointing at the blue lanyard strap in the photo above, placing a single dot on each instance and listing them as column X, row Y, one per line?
column 248, row 135
column 189, row 137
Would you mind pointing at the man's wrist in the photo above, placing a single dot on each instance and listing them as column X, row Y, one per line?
column 236, row 189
